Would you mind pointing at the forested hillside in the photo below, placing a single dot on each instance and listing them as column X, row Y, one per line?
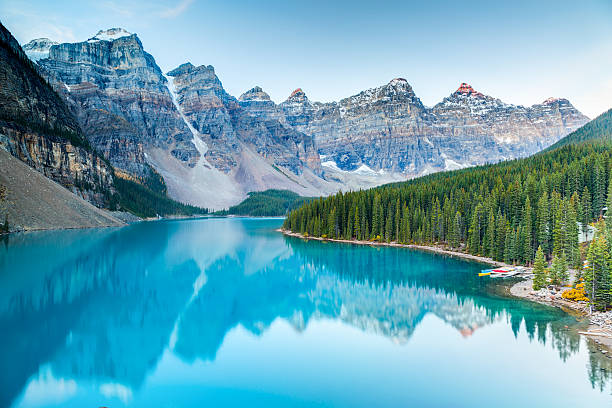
column 598, row 129
column 267, row 203
column 147, row 197
column 504, row 211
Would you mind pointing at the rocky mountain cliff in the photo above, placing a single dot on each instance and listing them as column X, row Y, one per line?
column 228, row 129
column 37, row 127
column 199, row 138
column 389, row 129
column 212, row 148
column 120, row 98
column 38, row 48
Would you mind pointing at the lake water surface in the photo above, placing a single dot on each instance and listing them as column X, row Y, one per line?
column 228, row 312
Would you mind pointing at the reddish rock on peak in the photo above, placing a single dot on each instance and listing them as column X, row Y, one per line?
column 552, row 100
column 297, row 92
column 467, row 89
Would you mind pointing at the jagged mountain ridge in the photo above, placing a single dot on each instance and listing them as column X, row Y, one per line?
column 120, row 98
column 388, row 128
column 212, row 148
column 210, row 152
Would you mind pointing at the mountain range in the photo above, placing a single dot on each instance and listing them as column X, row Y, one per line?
column 212, row 148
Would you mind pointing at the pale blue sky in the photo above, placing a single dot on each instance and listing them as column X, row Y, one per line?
column 521, row 52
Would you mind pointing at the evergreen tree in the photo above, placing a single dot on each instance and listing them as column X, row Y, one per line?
column 389, row 225
column 558, row 271
column 489, row 244
column 608, row 212
column 598, row 274
column 357, row 224
column 559, row 229
column 456, row 230
column 587, row 209
column 543, row 224
column 599, row 188
column 572, row 231
column 539, row 270
column 474, row 231
column 527, row 236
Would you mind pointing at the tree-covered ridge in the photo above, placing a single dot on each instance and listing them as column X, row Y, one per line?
column 505, row 211
column 143, row 201
column 599, row 128
column 267, row 203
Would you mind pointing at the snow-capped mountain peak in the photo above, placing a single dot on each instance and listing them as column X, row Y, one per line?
column 110, row 35
column 38, row 48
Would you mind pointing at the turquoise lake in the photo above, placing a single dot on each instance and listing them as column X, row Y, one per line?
column 227, row 312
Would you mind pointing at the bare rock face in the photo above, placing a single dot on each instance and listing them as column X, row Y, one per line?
column 120, row 98
column 491, row 130
column 228, row 125
column 39, row 48
column 37, row 127
column 388, row 129
column 382, row 128
column 208, row 108
column 258, row 103
column 36, row 202
column 201, row 139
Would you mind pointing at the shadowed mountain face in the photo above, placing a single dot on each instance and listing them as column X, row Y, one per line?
column 37, row 127
column 113, row 305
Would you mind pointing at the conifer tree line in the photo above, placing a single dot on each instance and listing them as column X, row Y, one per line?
column 508, row 212
column 503, row 211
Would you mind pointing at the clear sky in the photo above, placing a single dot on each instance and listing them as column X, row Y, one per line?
column 519, row 51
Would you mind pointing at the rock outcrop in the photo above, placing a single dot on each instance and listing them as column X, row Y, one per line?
column 34, row 202
column 258, row 103
column 382, row 128
column 120, row 98
column 39, row 48
column 228, row 128
column 242, row 151
column 37, row 127
column 389, row 129
column 490, row 130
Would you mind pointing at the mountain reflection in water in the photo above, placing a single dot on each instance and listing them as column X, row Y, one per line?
column 104, row 306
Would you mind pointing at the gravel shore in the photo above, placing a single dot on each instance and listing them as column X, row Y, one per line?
column 35, row 202
column 432, row 248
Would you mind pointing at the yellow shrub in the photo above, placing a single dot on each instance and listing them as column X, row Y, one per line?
column 576, row 295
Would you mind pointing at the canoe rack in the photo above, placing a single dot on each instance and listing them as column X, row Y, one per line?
column 505, row 272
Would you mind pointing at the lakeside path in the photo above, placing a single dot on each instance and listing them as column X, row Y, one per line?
column 522, row 289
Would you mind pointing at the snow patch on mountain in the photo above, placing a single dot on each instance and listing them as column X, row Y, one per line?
column 111, row 34
column 38, row 48
column 201, row 185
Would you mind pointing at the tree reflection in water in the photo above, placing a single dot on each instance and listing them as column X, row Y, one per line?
column 109, row 302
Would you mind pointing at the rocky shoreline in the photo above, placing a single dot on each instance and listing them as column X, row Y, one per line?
column 600, row 323
column 438, row 250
